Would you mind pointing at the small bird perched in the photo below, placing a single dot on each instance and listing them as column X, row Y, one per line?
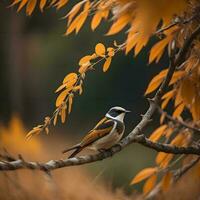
column 105, row 134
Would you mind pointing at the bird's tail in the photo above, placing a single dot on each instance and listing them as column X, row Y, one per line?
column 77, row 148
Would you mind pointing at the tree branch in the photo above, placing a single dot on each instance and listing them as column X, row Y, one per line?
column 135, row 136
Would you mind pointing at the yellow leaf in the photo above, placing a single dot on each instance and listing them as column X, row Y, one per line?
column 74, row 11
column 166, row 181
column 63, row 115
column 100, row 49
column 14, row 2
column 166, row 161
column 145, row 173
column 83, row 16
column 118, row 25
column 158, row 49
column 111, row 51
column 61, row 3
column 70, row 79
column 42, row 4
column 169, row 94
column 187, row 91
column 167, row 97
column 178, row 140
column 155, row 136
column 178, row 110
column 177, row 76
column 85, row 60
column 107, row 64
column 60, row 99
column 164, row 103
column 30, row 6
column 83, row 68
column 162, row 118
column 168, row 132
column 149, row 184
column 22, row 4
column 32, row 132
column 55, row 119
column 196, row 108
column 156, row 81
column 96, row 20
column 160, row 157
column 70, row 103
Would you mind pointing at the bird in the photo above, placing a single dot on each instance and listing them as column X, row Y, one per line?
column 105, row 134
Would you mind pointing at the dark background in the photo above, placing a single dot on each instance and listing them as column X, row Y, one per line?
column 35, row 57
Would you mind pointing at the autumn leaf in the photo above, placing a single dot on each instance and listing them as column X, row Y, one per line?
column 177, row 112
column 149, row 184
column 30, row 6
column 42, row 4
column 166, row 181
column 155, row 136
column 70, row 79
column 156, row 81
column 145, row 173
column 100, row 49
column 107, row 64
column 61, row 98
column 118, row 25
column 70, row 103
column 61, row 3
column 96, row 20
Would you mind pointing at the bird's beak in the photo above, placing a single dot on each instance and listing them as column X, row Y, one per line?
column 127, row 111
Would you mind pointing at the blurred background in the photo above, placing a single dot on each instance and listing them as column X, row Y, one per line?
column 35, row 57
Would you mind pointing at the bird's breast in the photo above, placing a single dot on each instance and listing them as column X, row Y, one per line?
column 109, row 140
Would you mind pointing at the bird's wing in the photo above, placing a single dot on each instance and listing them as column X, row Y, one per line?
column 103, row 128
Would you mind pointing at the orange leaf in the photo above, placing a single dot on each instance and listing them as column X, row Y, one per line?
column 100, row 49
column 74, row 11
column 83, row 16
column 22, row 4
column 70, row 79
column 42, row 4
column 30, row 6
column 160, row 157
column 118, row 25
column 145, row 173
column 176, row 76
column 187, row 91
column 61, row 98
column 61, row 3
column 158, row 133
column 96, row 20
column 156, row 81
column 166, row 161
column 178, row 110
column 169, row 94
column 162, row 118
column 149, row 184
column 70, row 103
column 107, row 64
column 111, row 51
column 85, row 60
column 166, row 181
column 158, row 49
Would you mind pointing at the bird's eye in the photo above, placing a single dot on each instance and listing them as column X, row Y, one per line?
column 119, row 111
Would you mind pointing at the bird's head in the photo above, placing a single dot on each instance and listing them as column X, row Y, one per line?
column 117, row 113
